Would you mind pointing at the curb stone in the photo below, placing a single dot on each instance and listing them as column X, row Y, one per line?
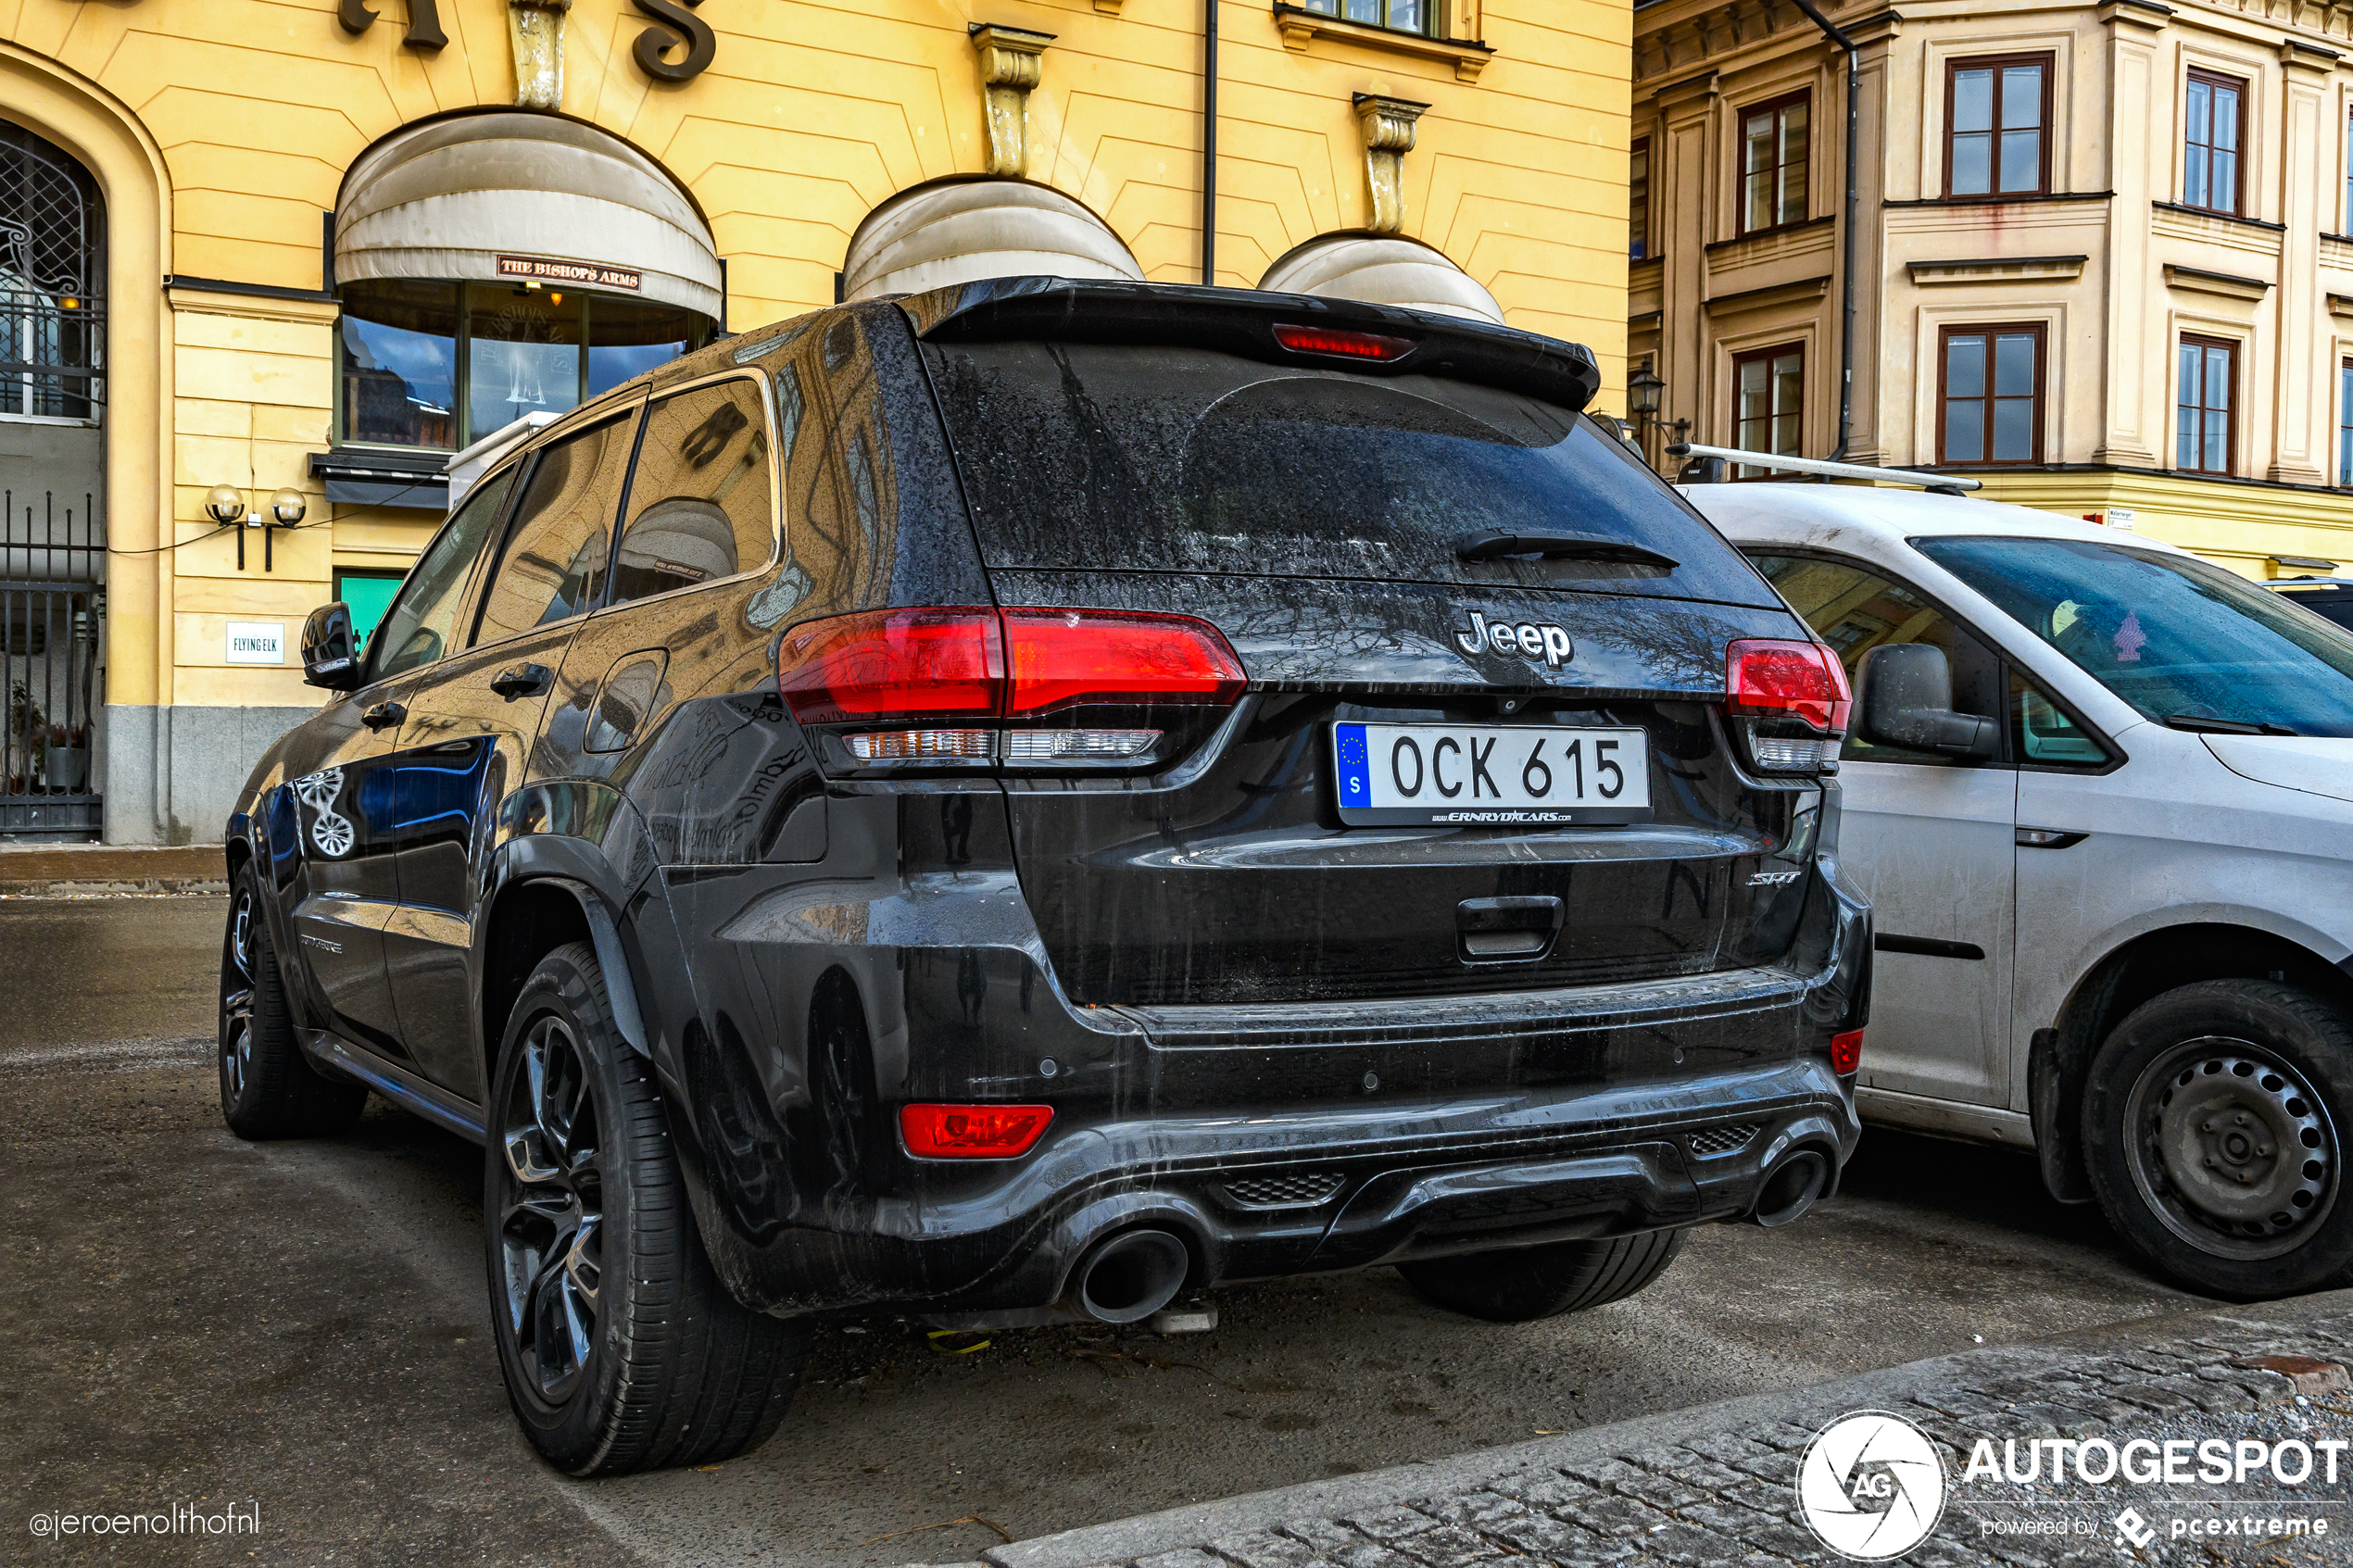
column 1715, row 1485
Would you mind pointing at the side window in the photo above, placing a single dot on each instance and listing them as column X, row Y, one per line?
column 702, row 500
column 553, row 567
column 2041, row 732
column 1855, row 611
column 422, row 623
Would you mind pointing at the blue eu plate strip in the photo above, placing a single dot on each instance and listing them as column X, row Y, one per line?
column 1355, row 765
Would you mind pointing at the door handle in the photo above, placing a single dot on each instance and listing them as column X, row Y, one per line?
column 383, row 715
column 522, row 680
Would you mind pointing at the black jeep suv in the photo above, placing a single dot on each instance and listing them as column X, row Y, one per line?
column 1022, row 799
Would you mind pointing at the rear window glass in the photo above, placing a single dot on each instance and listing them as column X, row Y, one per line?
column 1100, row 458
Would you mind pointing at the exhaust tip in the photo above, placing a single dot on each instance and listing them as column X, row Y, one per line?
column 1132, row 1276
column 1791, row 1188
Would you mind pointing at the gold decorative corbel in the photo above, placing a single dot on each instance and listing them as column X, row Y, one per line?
column 1010, row 67
column 1388, row 136
column 536, row 28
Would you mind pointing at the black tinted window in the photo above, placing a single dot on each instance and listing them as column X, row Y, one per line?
column 702, row 503
column 422, row 623
column 553, row 567
column 1168, row 459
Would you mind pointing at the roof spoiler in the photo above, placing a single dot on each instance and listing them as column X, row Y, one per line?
column 1706, row 467
column 1242, row 322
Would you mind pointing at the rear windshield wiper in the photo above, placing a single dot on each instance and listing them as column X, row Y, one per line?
column 1493, row 543
column 2198, row 724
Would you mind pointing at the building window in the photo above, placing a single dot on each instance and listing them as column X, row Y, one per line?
column 1401, row 15
column 2344, row 422
column 2347, row 225
column 440, row 365
column 1768, row 403
column 1998, row 113
column 1637, row 201
column 2202, row 426
column 2210, row 158
column 1991, row 396
column 1773, row 145
column 52, row 283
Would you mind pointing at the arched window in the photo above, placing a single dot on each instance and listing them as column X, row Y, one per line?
column 52, row 269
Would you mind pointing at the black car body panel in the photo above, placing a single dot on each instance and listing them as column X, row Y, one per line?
column 1232, row 1002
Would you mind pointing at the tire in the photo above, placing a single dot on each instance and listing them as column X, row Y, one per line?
column 2213, row 1126
column 1523, row 1284
column 621, row 1349
column 268, row 1087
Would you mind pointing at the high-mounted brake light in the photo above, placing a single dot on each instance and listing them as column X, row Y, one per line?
column 968, row 687
column 1342, row 343
column 1794, row 700
column 972, row 1132
column 1846, row 1053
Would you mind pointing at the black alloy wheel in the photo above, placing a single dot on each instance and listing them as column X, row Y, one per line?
column 621, row 1348
column 2213, row 1129
column 267, row 1088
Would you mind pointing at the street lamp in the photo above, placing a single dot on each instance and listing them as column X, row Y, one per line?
column 1644, row 395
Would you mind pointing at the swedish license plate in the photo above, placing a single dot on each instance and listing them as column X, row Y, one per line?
column 1478, row 775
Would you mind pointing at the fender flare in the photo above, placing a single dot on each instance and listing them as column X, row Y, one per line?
column 552, row 860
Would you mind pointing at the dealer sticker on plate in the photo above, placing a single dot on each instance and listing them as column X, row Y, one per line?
column 1489, row 776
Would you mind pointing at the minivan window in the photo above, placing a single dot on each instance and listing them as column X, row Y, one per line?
column 702, row 502
column 553, row 567
column 422, row 622
column 2176, row 637
column 1101, row 456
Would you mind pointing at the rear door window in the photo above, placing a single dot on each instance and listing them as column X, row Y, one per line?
column 554, row 565
column 1092, row 456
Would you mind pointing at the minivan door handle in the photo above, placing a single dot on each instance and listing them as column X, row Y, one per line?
column 384, row 715
column 1515, row 929
column 522, row 680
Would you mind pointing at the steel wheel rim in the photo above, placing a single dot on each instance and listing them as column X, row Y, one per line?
column 2231, row 1148
column 551, row 1211
column 236, row 1000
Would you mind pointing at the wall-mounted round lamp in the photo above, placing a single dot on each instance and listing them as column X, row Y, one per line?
column 287, row 506
column 225, row 504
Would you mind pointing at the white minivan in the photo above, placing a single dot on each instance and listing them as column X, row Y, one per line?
column 2101, row 793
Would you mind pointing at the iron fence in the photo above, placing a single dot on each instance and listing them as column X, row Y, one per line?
column 51, row 599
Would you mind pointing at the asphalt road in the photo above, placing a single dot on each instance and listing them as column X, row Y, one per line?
column 302, row 1326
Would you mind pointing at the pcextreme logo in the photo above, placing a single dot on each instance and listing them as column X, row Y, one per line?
column 1871, row 1485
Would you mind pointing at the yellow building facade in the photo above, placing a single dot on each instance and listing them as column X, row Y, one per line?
column 298, row 278
column 2101, row 253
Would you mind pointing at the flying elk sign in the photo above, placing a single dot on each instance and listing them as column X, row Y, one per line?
column 675, row 26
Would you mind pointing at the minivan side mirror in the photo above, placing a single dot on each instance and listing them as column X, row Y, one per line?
column 330, row 651
column 1907, row 702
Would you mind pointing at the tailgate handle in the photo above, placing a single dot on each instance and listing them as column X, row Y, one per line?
column 1518, row 929
column 1492, row 544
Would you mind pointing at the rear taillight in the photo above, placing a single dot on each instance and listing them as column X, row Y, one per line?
column 1846, row 1053
column 1048, row 689
column 1342, row 344
column 1789, row 701
column 972, row 1131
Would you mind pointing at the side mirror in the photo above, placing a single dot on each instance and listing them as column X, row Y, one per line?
column 329, row 652
column 1907, row 702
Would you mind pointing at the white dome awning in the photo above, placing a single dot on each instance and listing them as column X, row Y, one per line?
column 937, row 236
column 1381, row 269
column 449, row 198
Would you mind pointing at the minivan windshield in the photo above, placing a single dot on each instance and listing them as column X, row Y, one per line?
column 1096, row 457
column 2183, row 641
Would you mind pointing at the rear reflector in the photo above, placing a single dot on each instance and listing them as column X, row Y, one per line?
column 1846, row 1053
column 1342, row 342
column 972, row 1131
column 1804, row 680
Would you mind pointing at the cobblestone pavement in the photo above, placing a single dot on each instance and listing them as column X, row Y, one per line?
column 1717, row 1486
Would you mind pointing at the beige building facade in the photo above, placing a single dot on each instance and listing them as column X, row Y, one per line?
column 279, row 263
column 2101, row 258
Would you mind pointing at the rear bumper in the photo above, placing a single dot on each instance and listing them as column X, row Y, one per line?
column 1274, row 1140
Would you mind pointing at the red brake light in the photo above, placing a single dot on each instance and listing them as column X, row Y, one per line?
column 972, row 1131
column 1803, row 679
column 892, row 662
column 1345, row 344
column 1058, row 658
column 1846, row 1052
